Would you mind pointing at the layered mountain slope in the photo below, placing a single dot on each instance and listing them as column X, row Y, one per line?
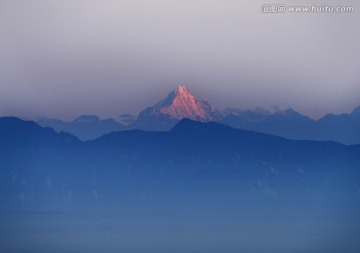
column 192, row 152
column 203, row 179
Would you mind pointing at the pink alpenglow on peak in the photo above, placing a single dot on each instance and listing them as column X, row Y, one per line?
column 180, row 104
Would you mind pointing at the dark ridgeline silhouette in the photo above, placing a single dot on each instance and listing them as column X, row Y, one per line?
column 193, row 153
column 202, row 180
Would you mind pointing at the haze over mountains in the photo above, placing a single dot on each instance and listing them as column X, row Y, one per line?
column 129, row 162
column 181, row 103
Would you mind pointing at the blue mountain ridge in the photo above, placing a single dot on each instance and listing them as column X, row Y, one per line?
column 200, row 181
column 191, row 151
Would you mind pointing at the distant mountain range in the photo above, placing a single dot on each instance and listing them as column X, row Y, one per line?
column 85, row 127
column 290, row 124
column 181, row 103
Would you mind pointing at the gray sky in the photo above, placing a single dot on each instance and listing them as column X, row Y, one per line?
column 64, row 58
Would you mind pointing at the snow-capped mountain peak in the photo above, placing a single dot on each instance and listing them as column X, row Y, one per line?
column 179, row 104
column 182, row 89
